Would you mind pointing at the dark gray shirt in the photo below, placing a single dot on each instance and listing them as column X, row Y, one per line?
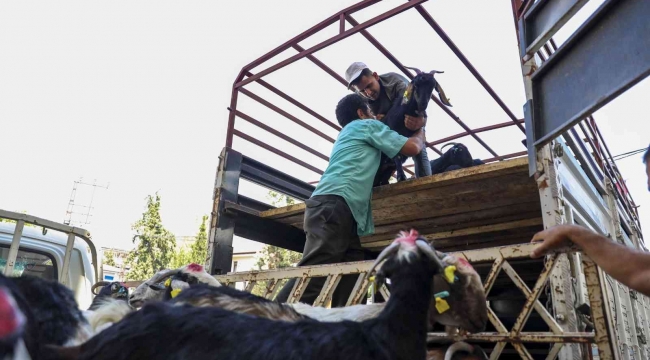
column 392, row 86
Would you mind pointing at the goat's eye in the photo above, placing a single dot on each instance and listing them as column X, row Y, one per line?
column 156, row 287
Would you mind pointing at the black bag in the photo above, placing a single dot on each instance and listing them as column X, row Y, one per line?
column 457, row 157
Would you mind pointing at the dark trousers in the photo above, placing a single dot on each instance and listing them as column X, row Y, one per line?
column 331, row 238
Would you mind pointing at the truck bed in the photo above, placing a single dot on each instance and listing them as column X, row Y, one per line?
column 483, row 206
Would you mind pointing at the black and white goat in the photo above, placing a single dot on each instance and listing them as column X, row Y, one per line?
column 37, row 313
column 155, row 289
column 189, row 332
column 108, row 290
column 464, row 296
column 414, row 102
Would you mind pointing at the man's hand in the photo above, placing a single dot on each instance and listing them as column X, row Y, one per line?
column 555, row 239
column 414, row 123
column 380, row 116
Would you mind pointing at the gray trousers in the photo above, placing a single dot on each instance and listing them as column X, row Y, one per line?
column 331, row 238
column 422, row 164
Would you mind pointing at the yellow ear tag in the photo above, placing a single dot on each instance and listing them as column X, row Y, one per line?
column 449, row 273
column 372, row 280
column 175, row 292
column 168, row 283
column 441, row 305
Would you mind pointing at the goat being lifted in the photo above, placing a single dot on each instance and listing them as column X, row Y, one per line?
column 187, row 332
column 414, row 102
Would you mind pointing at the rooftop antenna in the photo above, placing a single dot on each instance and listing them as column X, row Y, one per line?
column 85, row 213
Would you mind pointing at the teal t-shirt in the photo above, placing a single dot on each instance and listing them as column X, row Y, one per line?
column 353, row 164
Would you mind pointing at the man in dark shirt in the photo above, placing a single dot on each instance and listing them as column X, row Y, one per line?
column 381, row 91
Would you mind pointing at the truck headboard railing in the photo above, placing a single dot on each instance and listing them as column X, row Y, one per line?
column 71, row 231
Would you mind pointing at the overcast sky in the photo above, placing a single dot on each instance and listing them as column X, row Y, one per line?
column 134, row 95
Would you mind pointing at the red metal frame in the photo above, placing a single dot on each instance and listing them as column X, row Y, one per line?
column 246, row 76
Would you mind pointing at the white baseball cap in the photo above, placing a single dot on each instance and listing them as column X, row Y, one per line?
column 353, row 72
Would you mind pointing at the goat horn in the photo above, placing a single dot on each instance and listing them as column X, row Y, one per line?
column 97, row 285
column 436, row 72
column 383, row 255
column 417, row 71
column 426, row 249
column 458, row 346
column 447, row 144
column 163, row 274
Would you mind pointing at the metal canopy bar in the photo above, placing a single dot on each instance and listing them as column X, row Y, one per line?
column 476, row 131
column 605, row 57
column 264, row 175
column 296, row 103
column 280, row 135
column 276, row 151
column 316, row 28
column 429, row 19
column 286, row 115
column 333, row 40
column 543, row 20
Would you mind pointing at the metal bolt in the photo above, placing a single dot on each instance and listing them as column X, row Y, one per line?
column 559, row 317
column 558, row 149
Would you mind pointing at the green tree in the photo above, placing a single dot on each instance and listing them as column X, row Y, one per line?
column 199, row 248
column 196, row 252
column 155, row 245
column 109, row 258
column 274, row 257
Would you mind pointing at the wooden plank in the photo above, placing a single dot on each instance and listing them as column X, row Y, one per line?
column 489, row 233
column 452, row 177
column 466, row 187
column 492, row 170
column 485, row 229
column 454, row 204
column 458, row 221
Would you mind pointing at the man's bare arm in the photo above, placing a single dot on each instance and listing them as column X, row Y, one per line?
column 414, row 144
column 629, row 266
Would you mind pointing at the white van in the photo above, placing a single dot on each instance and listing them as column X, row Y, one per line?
column 43, row 255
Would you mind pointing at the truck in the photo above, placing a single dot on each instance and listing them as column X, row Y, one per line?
column 562, row 306
column 49, row 250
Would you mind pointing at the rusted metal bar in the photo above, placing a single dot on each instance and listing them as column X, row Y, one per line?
column 504, row 157
column 328, row 290
column 359, row 290
column 249, row 287
column 387, row 15
column 276, row 151
column 541, row 310
column 600, row 311
column 298, row 289
column 476, row 131
column 496, row 352
column 521, row 350
column 286, row 114
column 280, row 135
column 320, row 64
column 296, row 103
column 492, row 275
column 524, row 337
column 429, row 19
column 270, row 288
column 231, row 118
column 311, row 31
column 549, row 264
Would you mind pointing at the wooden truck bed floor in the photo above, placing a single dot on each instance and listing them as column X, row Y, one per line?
column 484, row 206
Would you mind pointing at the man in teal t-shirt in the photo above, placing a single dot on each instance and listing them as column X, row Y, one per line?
column 339, row 211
